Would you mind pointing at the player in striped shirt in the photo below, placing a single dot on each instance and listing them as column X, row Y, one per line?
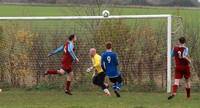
column 66, row 62
column 182, row 69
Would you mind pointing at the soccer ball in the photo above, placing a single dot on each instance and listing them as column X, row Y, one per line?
column 0, row 90
column 105, row 13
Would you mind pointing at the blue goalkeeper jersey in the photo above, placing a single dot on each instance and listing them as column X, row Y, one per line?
column 109, row 63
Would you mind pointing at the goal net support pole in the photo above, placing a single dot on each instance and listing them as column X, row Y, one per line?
column 166, row 16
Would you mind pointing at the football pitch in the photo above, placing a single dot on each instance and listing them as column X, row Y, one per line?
column 57, row 99
column 20, row 98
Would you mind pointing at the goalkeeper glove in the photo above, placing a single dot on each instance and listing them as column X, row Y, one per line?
column 89, row 69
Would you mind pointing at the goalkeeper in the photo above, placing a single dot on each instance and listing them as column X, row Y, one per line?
column 99, row 75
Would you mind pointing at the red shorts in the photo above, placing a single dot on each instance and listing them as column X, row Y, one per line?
column 66, row 64
column 181, row 71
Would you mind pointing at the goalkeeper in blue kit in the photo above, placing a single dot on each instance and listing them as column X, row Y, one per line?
column 109, row 63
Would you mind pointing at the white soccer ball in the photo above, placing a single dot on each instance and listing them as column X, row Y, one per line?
column 0, row 90
column 106, row 13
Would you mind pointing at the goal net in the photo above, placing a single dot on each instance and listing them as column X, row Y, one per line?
column 143, row 44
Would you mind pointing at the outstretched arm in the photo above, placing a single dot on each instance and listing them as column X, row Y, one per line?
column 57, row 50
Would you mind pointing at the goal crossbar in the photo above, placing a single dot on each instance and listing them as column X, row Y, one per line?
column 168, row 17
column 84, row 17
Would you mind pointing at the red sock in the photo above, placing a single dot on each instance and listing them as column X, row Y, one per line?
column 174, row 88
column 52, row 72
column 188, row 92
column 68, row 84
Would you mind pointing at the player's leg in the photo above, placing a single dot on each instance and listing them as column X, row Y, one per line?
column 174, row 88
column 99, row 81
column 96, row 80
column 187, row 87
column 113, row 80
column 104, row 86
column 178, row 76
column 68, row 82
column 187, row 81
column 119, row 83
column 116, row 84
column 54, row 72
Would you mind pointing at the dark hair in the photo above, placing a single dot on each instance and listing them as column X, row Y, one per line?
column 182, row 40
column 108, row 45
column 71, row 37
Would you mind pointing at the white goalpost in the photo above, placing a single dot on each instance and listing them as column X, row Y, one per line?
column 162, row 16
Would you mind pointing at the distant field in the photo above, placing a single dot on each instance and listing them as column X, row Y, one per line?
column 80, row 99
column 15, row 10
column 57, row 99
column 191, row 16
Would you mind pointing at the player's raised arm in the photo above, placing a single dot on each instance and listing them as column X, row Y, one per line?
column 57, row 50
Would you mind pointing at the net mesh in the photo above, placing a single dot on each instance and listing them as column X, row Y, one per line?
column 140, row 44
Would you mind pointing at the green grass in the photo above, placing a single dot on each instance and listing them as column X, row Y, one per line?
column 57, row 99
column 48, row 10
column 191, row 16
